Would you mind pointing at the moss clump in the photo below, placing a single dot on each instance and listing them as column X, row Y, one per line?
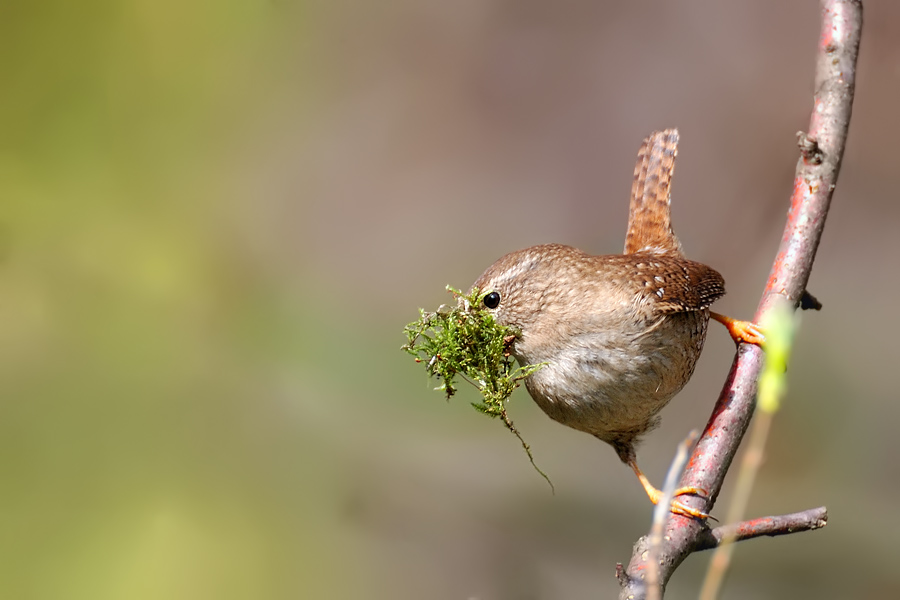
column 463, row 341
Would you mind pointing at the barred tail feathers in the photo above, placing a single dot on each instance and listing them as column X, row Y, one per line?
column 649, row 223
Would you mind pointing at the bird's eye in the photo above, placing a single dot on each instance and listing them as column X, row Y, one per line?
column 492, row 300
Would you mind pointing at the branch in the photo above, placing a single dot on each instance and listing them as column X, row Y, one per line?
column 817, row 171
column 661, row 513
column 808, row 520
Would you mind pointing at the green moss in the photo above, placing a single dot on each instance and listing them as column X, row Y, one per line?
column 462, row 341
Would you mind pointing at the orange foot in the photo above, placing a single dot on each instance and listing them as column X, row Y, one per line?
column 741, row 331
column 677, row 507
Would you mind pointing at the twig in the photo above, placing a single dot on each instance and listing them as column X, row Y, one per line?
column 663, row 510
column 813, row 187
column 808, row 520
column 721, row 560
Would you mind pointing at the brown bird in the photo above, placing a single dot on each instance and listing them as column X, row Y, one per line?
column 620, row 334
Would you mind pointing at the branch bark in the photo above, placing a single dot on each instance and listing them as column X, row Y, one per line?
column 821, row 152
column 808, row 520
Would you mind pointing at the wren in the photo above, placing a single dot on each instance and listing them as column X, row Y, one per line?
column 620, row 334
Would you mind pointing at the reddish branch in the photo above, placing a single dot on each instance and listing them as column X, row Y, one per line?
column 821, row 150
column 808, row 520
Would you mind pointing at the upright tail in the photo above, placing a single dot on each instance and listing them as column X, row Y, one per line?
column 649, row 225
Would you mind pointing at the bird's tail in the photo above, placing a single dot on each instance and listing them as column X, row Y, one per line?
column 649, row 223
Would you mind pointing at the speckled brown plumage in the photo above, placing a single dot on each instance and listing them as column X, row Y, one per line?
column 620, row 334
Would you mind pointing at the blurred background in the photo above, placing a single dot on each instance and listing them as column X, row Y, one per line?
column 218, row 215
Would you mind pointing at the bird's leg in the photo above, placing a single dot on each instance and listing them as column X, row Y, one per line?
column 741, row 331
column 656, row 495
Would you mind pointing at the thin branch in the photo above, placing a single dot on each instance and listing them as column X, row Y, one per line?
column 662, row 512
column 721, row 559
column 816, row 175
column 808, row 520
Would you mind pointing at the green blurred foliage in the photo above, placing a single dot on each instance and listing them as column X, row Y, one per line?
column 137, row 458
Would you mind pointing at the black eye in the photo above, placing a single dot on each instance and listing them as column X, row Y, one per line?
column 492, row 300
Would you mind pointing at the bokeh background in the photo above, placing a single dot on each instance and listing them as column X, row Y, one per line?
column 218, row 215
